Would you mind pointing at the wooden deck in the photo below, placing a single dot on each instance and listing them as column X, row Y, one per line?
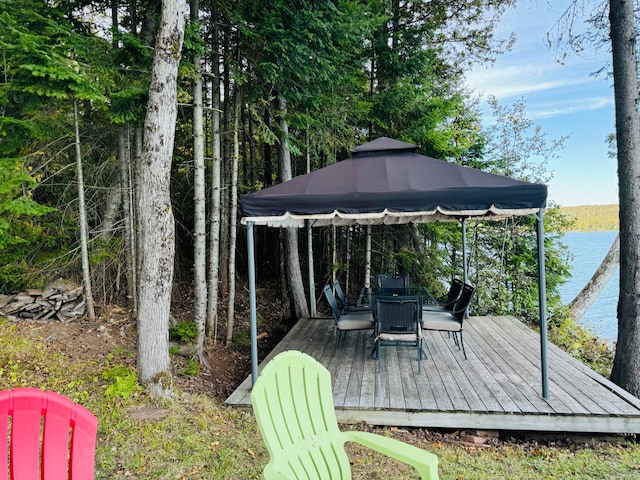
column 497, row 388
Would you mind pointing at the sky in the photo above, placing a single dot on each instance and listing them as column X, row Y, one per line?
column 564, row 99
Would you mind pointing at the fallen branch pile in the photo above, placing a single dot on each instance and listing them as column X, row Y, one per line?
column 62, row 300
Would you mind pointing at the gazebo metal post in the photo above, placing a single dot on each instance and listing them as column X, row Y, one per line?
column 542, row 296
column 252, row 303
column 464, row 250
column 367, row 266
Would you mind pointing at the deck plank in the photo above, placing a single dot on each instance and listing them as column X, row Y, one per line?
column 354, row 387
column 565, row 385
column 408, row 358
column 493, row 395
column 497, row 387
column 448, row 375
column 391, row 367
column 368, row 390
column 500, row 368
column 424, row 386
column 529, row 371
column 478, row 397
column 597, row 394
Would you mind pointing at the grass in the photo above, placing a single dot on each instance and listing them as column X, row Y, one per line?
column 195, row 437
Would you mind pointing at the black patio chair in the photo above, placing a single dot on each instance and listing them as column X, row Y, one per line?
column 452, row 321
column 398, row 322
column 346, row 323
column 345, row 305
column 455, row 289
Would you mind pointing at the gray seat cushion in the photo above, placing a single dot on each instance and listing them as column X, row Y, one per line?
column 355, row 322
column 434, row 308
column 437, row 321
column 398, row 337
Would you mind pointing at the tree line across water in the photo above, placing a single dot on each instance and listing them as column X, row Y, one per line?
column 592, row 218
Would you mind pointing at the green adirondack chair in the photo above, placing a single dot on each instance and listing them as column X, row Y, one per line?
column 293, row 405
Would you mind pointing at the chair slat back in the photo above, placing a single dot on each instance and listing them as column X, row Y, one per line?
column 293, row 405
column 341, row 297
column 398, row 314
column 64, row 449
column 454, row 293
column 333, row 303
column 460, row 309
column 392, row 284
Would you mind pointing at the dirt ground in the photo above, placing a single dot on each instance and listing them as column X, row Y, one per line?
column 115, row 327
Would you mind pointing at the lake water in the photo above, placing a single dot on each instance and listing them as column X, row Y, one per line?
column 589, row 249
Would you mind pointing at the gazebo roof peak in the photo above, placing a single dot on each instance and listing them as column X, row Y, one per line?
column 383, row 144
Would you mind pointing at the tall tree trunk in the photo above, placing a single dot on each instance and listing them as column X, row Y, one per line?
column 106, row 229
column 199, row 199
column 596, row 284
column 252, row 152
column 310, row 266
column 138, row 137
column 267, row 177
column 292, row 256
column 124, row 155
column 626, row 365
column 82, row 220
column 214, row 231
column 224, row 166
column 155, row 218
column 114, row 23
column 233, row 220
column 133, row 17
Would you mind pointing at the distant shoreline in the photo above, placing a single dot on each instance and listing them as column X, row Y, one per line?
column 592, row 218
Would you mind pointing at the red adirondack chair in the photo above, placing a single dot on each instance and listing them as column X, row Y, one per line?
column 63, row 450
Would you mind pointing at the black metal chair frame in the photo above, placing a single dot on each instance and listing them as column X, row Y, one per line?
column 398, row 322
column 458, row 313
column 455, row 290
column 345, row 305
column 359, row 321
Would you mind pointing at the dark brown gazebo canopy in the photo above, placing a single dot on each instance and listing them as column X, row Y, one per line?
column 386, row 181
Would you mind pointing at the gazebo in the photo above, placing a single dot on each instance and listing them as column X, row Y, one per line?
column 386, row 182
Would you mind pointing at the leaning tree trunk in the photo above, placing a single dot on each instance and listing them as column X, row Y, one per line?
column 155, row 218
column 626, row 365
column 292, row 256
column 82, row 220
column 594, row 287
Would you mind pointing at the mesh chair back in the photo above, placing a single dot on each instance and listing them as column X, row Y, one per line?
column 460, row 309
column 392, row 284
column 454, row 293
column 331, row 300
column 340, row 295
column 398, row 315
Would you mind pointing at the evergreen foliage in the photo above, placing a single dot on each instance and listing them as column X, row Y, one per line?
column 48, row 62
column 349, row 70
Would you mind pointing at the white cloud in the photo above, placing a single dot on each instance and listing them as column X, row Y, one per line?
column 576, row 105
column 519, row 80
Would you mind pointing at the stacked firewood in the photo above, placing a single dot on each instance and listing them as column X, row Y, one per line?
column 62, row 300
